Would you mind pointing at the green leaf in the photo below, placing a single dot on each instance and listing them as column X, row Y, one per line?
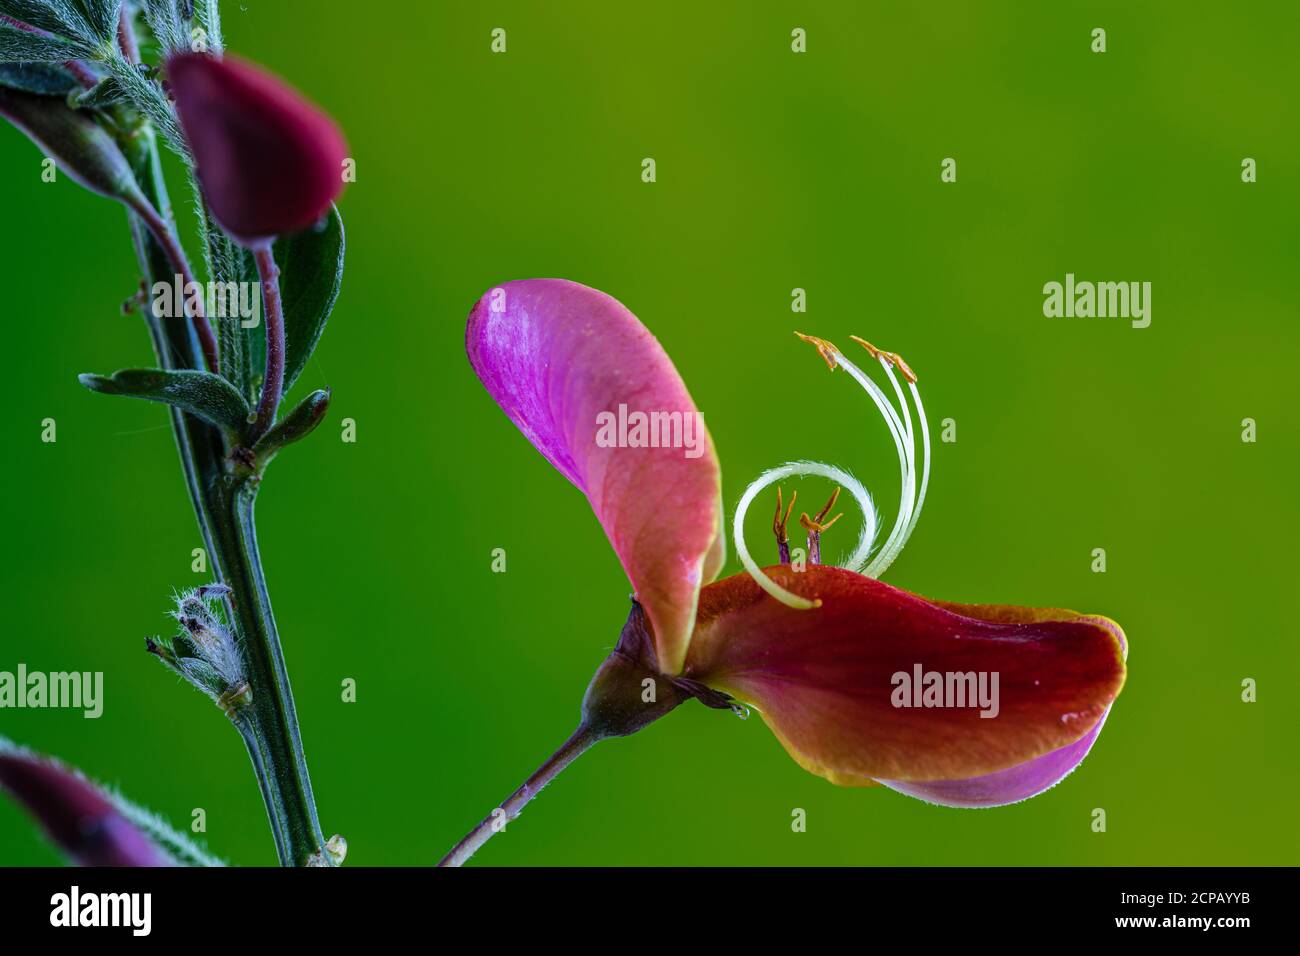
column 243, row 351
column 311, row 271
column 208, row 396
column 56, row 16
column 295, row 426
column 104, row 93
column 167, row 25
column 46, row 79
column 209, row 16
column 92, row 21
column 23, row 46
column 102, row 15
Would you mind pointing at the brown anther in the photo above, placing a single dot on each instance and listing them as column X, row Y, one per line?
column 835, row 496
column 779, row 522
column 815, row 527
column 827, row 349
column 893, row 358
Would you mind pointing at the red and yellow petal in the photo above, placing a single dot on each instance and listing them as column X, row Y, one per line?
column 825, row 679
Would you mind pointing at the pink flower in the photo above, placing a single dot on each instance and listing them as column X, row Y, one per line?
column 856, row 678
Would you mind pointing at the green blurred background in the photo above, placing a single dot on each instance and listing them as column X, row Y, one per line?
column 775, row 171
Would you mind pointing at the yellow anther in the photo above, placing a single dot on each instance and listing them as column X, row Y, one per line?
column 827, row 349
column 813, row 525
column 893, row 358
column 816, row 523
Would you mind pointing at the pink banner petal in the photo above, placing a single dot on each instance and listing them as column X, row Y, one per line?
column 573, row 368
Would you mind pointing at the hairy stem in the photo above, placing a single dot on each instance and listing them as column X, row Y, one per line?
column 495, row 821
column 272, row 736
column 171, row 247
column 273, row 380
column 223, row 504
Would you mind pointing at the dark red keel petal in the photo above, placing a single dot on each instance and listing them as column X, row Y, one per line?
column 269, row 161
column 837, row 683
column 1027, row 779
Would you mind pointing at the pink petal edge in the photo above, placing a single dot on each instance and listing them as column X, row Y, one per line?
column 1012, row 785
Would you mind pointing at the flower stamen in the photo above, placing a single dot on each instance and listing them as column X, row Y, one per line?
column 910, row 502
column 827, row 349
column 911, row 499
column 893, row 358
column 778, row 526
column 815, row 526
column 866, row 539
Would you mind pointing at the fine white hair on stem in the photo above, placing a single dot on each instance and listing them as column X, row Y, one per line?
column 911, row 499
column 866, row 539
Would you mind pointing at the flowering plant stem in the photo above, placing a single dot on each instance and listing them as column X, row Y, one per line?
column 161, row 230
column 572, row 749
column 269, row 725
column 223, row 493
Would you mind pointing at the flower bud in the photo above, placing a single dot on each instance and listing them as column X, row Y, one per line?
column 78, row 817
column 205, row 652
column 268, row 161
column 79, row 145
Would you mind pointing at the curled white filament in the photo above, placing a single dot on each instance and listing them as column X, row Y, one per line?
column 865, row 540
column 911, row 500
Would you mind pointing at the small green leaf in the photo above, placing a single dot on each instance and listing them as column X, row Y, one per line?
column 167, row 25
column 90, row 20
column 102, row 15
column 23, row 46
column 229, row 262
column 55, row 16
column 311, row 271
column 104, row 93
column 208, row 396
column 295, row 426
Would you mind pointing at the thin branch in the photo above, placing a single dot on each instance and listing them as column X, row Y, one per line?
column 496, row 821
column 162, row 232
column 126, row 36
column 273, row 381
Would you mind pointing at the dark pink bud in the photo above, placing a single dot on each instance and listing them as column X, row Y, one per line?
column 269, row 161
column 77, row 816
